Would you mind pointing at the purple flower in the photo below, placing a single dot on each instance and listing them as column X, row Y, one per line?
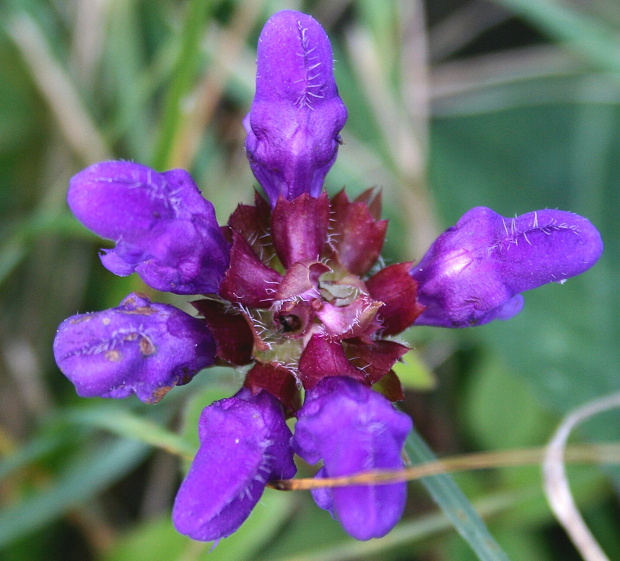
column 139, row 347
column 163, row 228
column 294, row 295
column 475, row 271
column 354, row 429
column 296, row 114
column 244, row 442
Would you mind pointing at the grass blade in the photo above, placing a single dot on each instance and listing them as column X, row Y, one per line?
column 455, row 505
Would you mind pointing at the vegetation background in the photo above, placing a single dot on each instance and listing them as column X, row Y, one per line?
column 512, row 104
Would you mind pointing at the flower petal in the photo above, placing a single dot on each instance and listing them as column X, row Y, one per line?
column 139, row 347
column 163, row 228
column 475, row 271
column 244, row 442
column 354, row 429
column 296, row 114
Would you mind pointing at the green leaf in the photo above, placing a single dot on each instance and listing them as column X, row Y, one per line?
column 129, row 425
column 191, row 36
column 86, row 475
column 159, row 541
column 588, row 37
column 492, row 402
column 413, row 373
column 455, row 505
column 33, row 450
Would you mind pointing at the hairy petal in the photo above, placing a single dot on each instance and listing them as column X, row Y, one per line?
column 475, row 271
column 163, row 228
column 244, row 442
column 296, row 114
column 354, row 429
column 139, row 347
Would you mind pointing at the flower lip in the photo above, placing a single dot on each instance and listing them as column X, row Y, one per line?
column 296, row 116
column 352, row 429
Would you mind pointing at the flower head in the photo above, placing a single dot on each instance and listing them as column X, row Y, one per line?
column 475, row 271
column 354, row 429
column 296, row 114
column 294, row 291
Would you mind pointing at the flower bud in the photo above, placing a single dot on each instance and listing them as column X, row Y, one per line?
column 475, row 271
column 244, row 442
column 354, row 429
column 163, row 228
column 139, row 347
column 296, row 114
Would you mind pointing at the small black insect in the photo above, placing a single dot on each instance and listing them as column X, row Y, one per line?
column 289, row 323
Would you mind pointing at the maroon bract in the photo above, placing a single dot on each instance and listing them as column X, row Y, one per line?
column 305, row 310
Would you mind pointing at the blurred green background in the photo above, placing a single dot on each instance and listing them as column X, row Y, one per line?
column 512, row 104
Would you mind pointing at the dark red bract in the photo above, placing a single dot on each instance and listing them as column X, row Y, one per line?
column 299, row 289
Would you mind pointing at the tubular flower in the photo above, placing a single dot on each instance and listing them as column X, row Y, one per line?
column 294, row 292
column 140, row 347
column 475, row 271
column 163, row 228
column 296, row 114
column 353, row 429
column 244, row 442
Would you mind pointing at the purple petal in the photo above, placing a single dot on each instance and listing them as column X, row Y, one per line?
column 296, row 114
column 323, row 496
column 354, row 429
column 475, row 271
column 140, row 347
column 244, row 442
column 163, row 228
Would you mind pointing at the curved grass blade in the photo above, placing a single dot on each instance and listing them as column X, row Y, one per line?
column 455, row 505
